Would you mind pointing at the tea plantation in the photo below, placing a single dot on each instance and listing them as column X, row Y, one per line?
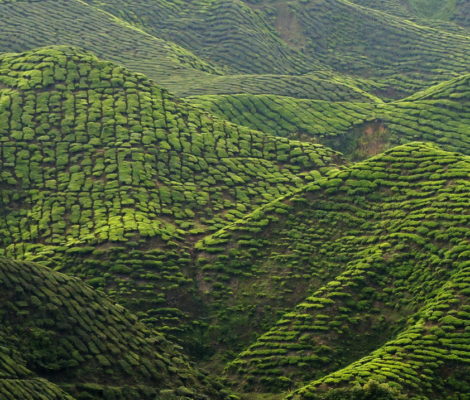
column 59, row 328
column 105, row 175
column 439, row 114
column 233, row 47
column 386, row 285
column 234, row 200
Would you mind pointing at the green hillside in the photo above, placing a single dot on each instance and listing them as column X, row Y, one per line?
column 108, row 177
column 61, row 329
column 295, row 48
column 378, row 254
column 17, row 382
column 439, row 114
column 428, row 11
column 234, row 200
column 229, row 33
column 26, row 25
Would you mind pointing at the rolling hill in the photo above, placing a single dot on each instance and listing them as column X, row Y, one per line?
column 223, row 46
column 276, row 192
column 379, row 253
column 428, row 11
column 107, row 177
column 439, row 114
column 56, row 327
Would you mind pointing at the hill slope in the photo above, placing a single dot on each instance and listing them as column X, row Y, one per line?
column 325, row 31
column 439, row 114
column 61, row 329
column 26, row 25
column 106, row 176
column 272, row 47
column 429, row 11
column 374, row 252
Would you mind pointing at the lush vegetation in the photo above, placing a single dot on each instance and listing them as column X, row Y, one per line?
column 107, row 176
column 439, row 114
column 387, row 284
column 232, row 47
column 55, row 326
column 274, row 191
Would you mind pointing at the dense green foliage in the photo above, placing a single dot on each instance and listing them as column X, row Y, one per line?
column 60, row 328
column 382, row 248
column 439, row 114
column 296, row 48
column 297, row 221
column 231, row 33
column 93, row 155
column 428, row 11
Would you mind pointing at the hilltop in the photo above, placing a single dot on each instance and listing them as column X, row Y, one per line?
column 108, row 177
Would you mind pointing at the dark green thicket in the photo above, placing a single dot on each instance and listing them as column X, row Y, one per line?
column 61, row 329
column 105, row 175
column 17, row 382
column 380, row 247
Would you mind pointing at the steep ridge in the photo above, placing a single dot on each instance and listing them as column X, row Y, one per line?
column 375, row 257
column 61, row 329
column 439, row 114
column 108, row 177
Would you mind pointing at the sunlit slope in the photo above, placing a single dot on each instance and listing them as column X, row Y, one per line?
column 106, row 175
column 439, row 114
column 370, row 250
column 61, row 329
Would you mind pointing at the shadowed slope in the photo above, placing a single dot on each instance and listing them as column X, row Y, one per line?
column 63, row 330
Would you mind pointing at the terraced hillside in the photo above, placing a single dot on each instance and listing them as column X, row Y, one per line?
column 379, row 255
column 228, row 32
column 300, row 49
column 449, row 10
column 106, row 176
column 325, row 31
column 26, row 25
column 439, row 114
column 62, row 330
